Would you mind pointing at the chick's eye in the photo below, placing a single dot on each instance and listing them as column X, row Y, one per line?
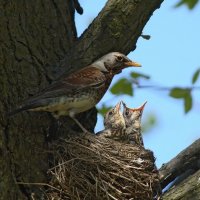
column 119, row 58
column 110, row 113
column 127, row 113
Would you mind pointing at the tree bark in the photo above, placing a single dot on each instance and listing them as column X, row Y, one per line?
column 186, row 161
column 188, row 189
column 34, row 37
column 116, row 28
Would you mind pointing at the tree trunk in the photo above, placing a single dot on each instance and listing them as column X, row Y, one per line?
column 34, row 37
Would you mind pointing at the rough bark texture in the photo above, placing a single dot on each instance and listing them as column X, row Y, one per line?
column 34, row 37
column 32, row 42
column 189, row 189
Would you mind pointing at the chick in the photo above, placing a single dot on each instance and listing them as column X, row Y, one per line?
column 114, row 124
column 132, row 118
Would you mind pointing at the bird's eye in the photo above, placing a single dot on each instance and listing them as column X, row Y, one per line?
column 127, row 113
column 110, row 113
column 119, row 58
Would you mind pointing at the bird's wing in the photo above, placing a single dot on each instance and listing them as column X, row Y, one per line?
column 82, row 79
column 105, row 133
column 88, row 76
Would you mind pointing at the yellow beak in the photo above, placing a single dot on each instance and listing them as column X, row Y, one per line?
column 118, row 106
column 134, row 64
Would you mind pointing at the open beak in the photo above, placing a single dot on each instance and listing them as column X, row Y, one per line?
column 123, row 104
column 118, row 106
column 133, row 64
column 141, row 108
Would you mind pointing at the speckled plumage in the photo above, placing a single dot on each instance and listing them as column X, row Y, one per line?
column 132, row 119
column 114, row 124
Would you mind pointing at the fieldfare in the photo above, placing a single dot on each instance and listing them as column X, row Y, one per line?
column 132, row 119
column 80, row 90
column 114, row 124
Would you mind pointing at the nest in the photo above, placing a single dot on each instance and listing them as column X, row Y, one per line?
column 90, row 167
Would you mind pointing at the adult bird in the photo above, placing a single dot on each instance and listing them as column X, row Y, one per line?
column 132, row 117
column 114, row 124
column 80, row 90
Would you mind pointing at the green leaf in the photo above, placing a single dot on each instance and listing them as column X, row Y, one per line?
column 185, row 94
column 178, row 92
column 195, row 76
column 139, row 75
column 188, row 102
column 104, row 109
column 149, row 123
column 123, row 86
column 189, row 3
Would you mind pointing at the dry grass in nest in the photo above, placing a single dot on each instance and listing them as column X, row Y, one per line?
column 92, row 168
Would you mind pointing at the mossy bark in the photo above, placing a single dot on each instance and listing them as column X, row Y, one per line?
column 188, row 189
column 34, row 37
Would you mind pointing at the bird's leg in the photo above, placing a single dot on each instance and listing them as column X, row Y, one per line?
column 80, row 125
column 72, row 115
column 53, row 128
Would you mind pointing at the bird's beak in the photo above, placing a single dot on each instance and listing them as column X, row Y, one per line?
column 118, row 106
column 123, row 104
column 133, row 64
column 141, row 108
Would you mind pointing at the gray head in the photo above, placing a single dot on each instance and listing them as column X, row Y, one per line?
column 132, row 116
column 114, row 118
column 114, row 62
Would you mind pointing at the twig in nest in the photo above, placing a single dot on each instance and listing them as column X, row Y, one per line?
column 102, row 169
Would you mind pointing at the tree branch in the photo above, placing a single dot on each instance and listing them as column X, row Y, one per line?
column 116, row 28
column 188, row 159
column 188, row 189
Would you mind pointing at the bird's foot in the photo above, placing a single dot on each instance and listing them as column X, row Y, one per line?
column 53, row 130
column 85, row 131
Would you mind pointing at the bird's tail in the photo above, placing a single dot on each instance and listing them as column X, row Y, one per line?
column 21, row 108
column 14, row 112
column 30, row 105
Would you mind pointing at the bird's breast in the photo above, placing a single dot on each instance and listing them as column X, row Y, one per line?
column 63, row 105
column 77, row 101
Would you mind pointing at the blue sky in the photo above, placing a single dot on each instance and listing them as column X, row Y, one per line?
column 170, row 57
